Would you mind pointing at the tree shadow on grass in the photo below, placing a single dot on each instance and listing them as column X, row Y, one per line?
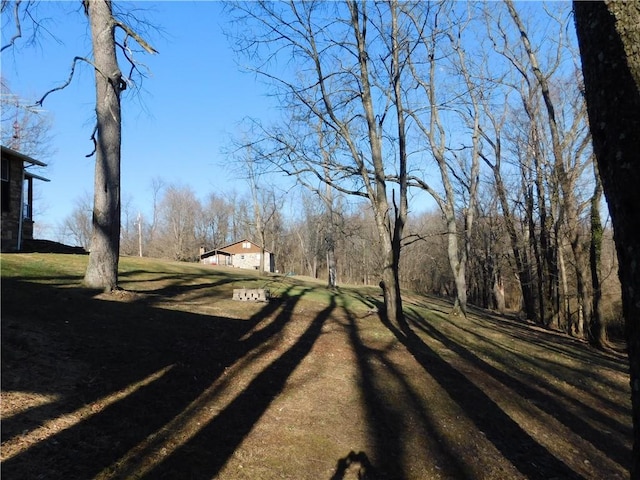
column 388, row 415
column 119, row 373
column 198, row 457
column 514, row 443
column 566, row 359
column 554, row 340
column 545, row 397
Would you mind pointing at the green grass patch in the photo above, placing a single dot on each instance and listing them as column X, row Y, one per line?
column 164, row 277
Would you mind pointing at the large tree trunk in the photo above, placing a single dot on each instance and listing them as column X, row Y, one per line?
column 390, row 285
column 102, row 271
column 609, row 36
column 457, row 263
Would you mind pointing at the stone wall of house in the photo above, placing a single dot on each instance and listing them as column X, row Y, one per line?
column 247, row 260
column 27, row 229
column 251, row 261
column 11, row 212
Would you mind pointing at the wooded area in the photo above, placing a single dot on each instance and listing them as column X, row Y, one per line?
column 478, row 105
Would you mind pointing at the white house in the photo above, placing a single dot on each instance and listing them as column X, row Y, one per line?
column 243, row 254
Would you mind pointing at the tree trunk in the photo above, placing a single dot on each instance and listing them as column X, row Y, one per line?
column 582, row 291
column 331, row 266
column 596, row 333
column 608, row 36
column 389, row 229
column 102, row 271
column 390, row 285
column 521, row 258
column 535, row 246
column 330, row 238
column 257, row 207
column 498, row 293
column 566, row 325
column 458, row 267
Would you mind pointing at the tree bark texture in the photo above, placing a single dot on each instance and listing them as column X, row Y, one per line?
column 609, row 40
column 102, row 271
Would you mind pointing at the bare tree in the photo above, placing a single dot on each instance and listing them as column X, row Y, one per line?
column 76, row 227
column 537, row 151
column 609, row 35
column 215, row 222
column 102, row 270
column 493, row 155
column 441, row 45
column 568, row 167
column 25, row 128
column 351, row 92
column 266, row 203
column 358, row 245
column 239, row 223
column 130, row 240
column 150, row 230
column 309, row 233
column 425, row 263
column 331, row 216
column 326, row 223
column 179, row 209
column 322, row 223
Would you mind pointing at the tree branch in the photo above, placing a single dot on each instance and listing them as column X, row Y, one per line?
column 95, row 142
column 141, row 41
column 418, row 237
column 18, row 34
column 68, row 82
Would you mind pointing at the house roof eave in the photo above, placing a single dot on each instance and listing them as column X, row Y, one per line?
column 241, row 241
column 216, row 251
column 37, row 177
column 9, row 152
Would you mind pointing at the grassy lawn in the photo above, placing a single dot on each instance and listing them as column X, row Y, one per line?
column 172, row 379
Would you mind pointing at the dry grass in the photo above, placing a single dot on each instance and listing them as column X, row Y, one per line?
column 171, row 379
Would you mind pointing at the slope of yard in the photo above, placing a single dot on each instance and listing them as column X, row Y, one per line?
column 171, row 379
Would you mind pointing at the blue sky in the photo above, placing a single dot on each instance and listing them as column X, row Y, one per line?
column 177, row 128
